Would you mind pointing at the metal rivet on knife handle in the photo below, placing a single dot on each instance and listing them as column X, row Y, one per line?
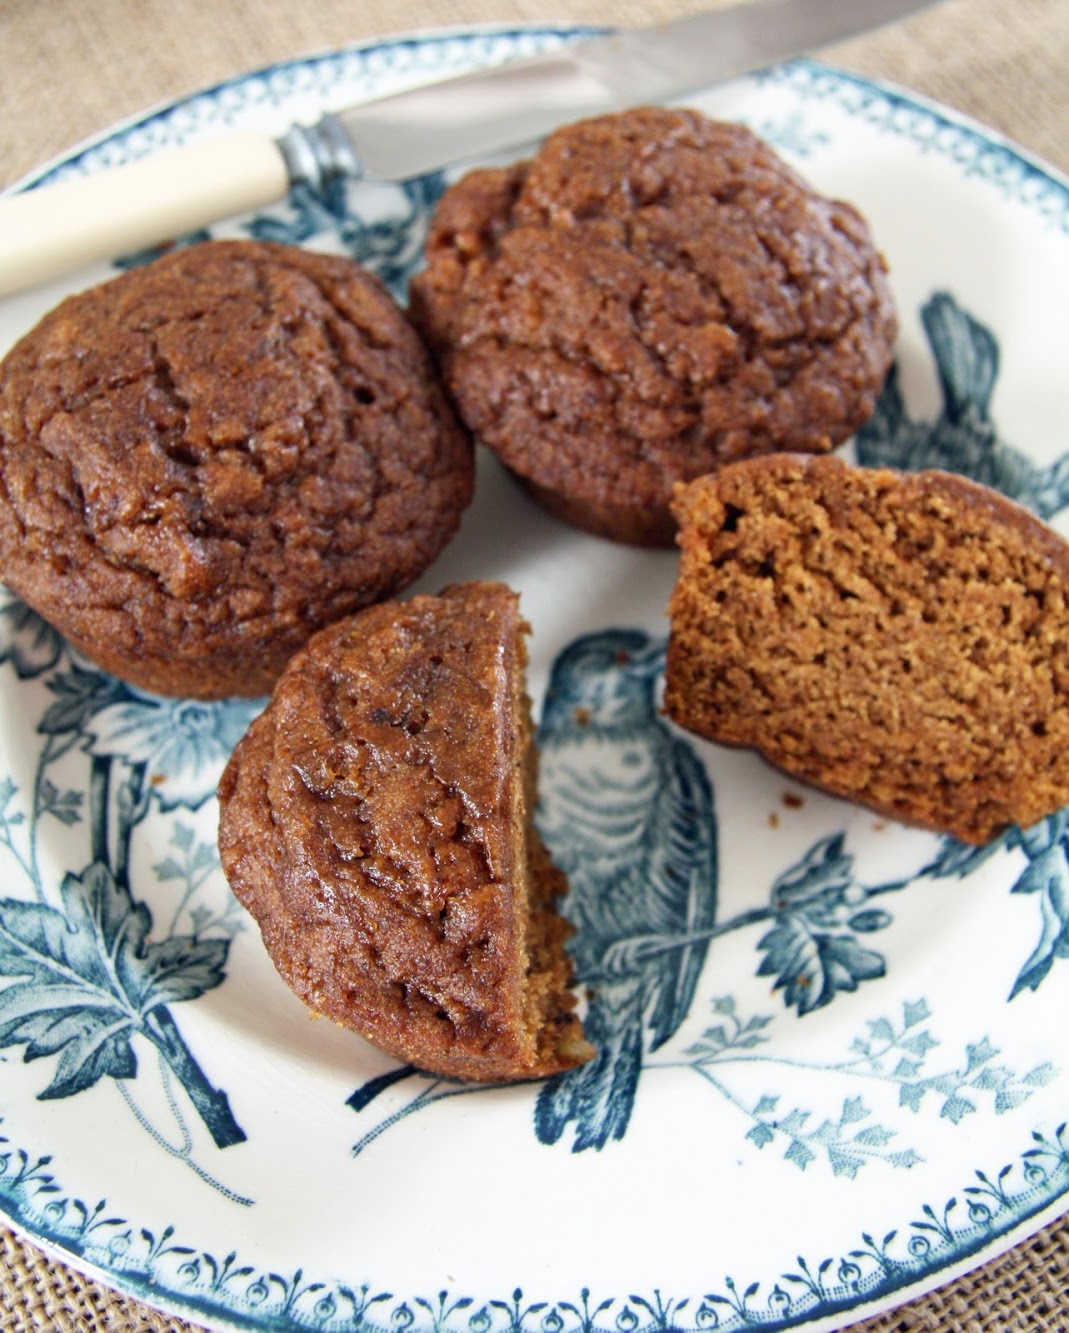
column 316, row 154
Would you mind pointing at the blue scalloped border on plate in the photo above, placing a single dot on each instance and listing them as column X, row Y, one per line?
column 161, row 1268
column 973, row 150
column 362, row 65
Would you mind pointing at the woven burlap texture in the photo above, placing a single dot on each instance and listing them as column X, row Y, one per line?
column 70, row 69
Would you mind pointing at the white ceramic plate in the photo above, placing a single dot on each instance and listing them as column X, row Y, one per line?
column 865, row 1089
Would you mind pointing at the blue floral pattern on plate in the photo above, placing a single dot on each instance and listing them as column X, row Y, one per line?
column 797, row 1007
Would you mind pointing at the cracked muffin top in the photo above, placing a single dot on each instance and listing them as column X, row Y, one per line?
column 653, row 295
column 206, row 459
column 376, row 822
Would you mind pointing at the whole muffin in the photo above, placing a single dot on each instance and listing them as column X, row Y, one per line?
column 376, row 822
column 898, row 639
column 204, row 460
column 654, row 295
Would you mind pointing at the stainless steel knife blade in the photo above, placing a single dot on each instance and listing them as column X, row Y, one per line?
column 413, row 132
column 54, row 229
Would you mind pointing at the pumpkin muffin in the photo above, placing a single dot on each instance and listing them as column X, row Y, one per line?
column 654, row 295
column 204, row 460
column 376, row 821
column 898, row 639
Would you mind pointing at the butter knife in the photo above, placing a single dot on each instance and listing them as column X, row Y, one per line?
column 54, row 229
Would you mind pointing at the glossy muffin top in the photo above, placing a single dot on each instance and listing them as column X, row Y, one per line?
column 375, row 820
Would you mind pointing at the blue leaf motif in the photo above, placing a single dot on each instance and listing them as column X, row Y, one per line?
column 844, row 1164
column 979, row 1053
column 1046, row 864
column 27, row 641
column 876, row 1137
column 1040, row 1076
column 824, row 871
column 1039, row 837
column 89, row 1045
column 955, row 1109
column 69, row 997
column 1048, row 876
column 79, row 694
column 812, row 966
column 9, row 818
column 87, row 979
column 801, row 1155
column 181, row 968
column 905, row 1160
column 62, row 805
column 919, row 1044
column 959, row 858
column 761, row 1135
column 881, row 1029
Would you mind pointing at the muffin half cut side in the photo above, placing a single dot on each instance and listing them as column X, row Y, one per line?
column 897, row 639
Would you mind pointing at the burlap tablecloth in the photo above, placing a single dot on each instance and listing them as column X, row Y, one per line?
column 69, row 68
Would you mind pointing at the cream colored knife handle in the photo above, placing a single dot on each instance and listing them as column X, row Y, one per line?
column 53, row 230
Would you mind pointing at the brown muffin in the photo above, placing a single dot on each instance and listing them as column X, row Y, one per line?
column 654, row 295
column 375, row 820
column 899, row 639
column 204, row 460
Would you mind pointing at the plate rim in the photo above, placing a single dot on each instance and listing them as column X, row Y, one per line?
column 136, row 120
column 886, row 1296
column 567, row 32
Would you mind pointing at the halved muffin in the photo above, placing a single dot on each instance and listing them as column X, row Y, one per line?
column 376, row 821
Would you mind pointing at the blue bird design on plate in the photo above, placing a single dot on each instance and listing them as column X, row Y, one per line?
column 627, row 813
column 963, row 438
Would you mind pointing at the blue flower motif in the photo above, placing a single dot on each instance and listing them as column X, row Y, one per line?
column 182, row 743
column 27, row 641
